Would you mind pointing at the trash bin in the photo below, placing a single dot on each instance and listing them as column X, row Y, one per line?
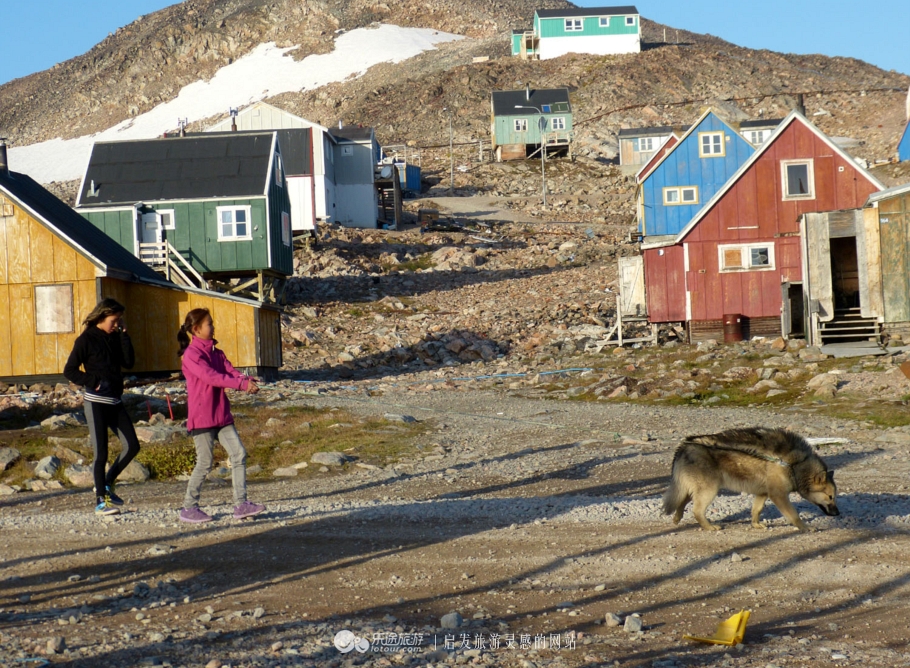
column 733, row 327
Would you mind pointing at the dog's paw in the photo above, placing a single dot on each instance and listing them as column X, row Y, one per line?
column 759, row 525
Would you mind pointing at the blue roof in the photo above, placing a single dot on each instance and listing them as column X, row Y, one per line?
column 683, row 166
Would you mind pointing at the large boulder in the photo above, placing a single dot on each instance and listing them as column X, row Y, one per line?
column 328, row 458
column 134, row 472
column 47, row 467
column 8, row 457
column 79, row 475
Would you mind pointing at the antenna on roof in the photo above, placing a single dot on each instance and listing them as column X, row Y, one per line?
column 92, row 191
column 233, row 112
column 181, row 124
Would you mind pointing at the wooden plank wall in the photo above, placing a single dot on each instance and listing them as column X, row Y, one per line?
column 894, row 223
column 154, row 315
column 270, row 338
column 32, row 255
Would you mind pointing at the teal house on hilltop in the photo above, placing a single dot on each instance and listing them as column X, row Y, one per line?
column 597, row 30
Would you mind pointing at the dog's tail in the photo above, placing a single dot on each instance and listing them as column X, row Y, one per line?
column 675, row 495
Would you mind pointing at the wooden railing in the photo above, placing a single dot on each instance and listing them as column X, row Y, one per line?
column 165, row 258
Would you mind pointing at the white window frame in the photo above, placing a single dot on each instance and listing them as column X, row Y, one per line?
column 679, row 192
column 810, row 163
column 249, row 222
column 711, row 153
column 650, row 143
column 574, row 25
column 520, row 124
column 161, row 213
column 756, row 137
column 279, row 179
column 630, row 20
column 746, row 256
column 54, row 309
column 604, row 22
column 558, row 123
column 286, row 228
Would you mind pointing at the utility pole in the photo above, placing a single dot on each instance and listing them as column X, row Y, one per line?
column 451, row 155
column 541, row 126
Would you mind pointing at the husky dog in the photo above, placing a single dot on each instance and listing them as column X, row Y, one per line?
column 767, row 463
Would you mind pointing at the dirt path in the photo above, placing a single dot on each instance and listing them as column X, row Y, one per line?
column 481, row 207
column 527, row 517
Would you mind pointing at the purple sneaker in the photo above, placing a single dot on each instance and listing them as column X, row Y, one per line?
column 194, row 516
column 247, row 509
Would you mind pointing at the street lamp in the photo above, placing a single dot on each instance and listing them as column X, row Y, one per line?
column 451, row 155
column 541, row 126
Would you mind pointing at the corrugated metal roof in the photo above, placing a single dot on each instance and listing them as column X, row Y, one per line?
column 72, row 227
column 352, row 133
column 505, row 101
column 586, row 11
column 888, row 193
column 766, row 123
column 231, row 164
column 647, row 132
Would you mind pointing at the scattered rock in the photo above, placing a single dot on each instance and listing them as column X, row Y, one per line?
column 79, row 475
column 135, row 471
column 451, row 621
column 285, row 472
column 47, row 467
column 328, row 458
column 393, row 417
column 632, row 624
column 612, row 619
column 8, row 457
column 56, row 644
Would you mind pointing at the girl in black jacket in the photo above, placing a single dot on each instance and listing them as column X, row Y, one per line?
column 101, row 350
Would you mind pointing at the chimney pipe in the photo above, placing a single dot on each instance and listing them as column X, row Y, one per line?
column 233, row 125
column 339, row 123
column 528, row 92
column 4, row 164
column 801, row 104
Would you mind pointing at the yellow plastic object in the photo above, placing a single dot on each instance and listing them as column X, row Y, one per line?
column 729, row 632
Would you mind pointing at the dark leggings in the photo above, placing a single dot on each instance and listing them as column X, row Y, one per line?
column 100, row 417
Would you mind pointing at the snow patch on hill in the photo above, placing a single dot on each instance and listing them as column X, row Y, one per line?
column 264, row 72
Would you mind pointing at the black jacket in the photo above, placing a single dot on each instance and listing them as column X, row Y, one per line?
column 102, row 356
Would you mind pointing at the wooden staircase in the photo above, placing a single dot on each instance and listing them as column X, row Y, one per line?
column 167, row 260
column 848, row 325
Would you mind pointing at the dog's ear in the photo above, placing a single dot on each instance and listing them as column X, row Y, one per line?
column 830, row 476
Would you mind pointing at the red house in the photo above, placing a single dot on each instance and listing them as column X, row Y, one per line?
column 742, row 253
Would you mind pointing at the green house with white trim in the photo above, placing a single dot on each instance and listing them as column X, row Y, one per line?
column 203, row 209
column 597, row 30
column 525, row 120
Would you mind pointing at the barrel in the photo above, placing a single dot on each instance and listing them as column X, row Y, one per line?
column 733, row 327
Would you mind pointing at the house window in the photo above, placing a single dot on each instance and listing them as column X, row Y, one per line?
column 681, row 195
column 645, row 144
column 234, row 223
column 521, row 125
column 278, row 170
column 285, row 228
column 165, row 219
column 558, row 123
column 54, row 309
column 711, row 144
column 573, row 25
column 347, row 151
column 756, row 137
column 630, row 20
column 798, row 178
column 746, row 257
column 604, row 21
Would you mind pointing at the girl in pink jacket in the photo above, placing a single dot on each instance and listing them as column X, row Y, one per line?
column 208, row 372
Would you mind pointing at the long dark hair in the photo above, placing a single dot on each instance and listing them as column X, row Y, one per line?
column 193, row 319
column 102, row 310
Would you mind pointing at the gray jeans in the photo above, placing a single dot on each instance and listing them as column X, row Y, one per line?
column 205, row 442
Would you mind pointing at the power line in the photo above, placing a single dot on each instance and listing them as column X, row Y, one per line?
column 739, row 99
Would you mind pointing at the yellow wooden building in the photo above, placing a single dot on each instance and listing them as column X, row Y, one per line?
column 55, row 266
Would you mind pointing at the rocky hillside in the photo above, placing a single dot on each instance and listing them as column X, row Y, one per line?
column 150, row 60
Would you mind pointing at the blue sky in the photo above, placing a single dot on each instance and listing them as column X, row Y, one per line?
column 39, row 33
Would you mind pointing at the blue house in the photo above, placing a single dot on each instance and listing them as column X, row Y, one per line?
column 903, row 147
column 689, row 175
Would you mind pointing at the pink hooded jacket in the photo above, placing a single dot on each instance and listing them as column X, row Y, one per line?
column 208, row 372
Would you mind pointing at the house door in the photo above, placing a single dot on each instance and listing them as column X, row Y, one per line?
column 150, row 230
column 792, row 311
column 632, row 286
